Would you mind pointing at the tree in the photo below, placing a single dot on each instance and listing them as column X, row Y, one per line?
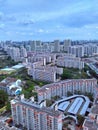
column 90, row 96
column 80, row 119
column 3, row 98
column 48, row 103
column 56, row 98
column 69, row 93
column 86, row 67
column 27, row 94
column 68, row 128
column 8, row 106
column 65, row 125
column 66, row 75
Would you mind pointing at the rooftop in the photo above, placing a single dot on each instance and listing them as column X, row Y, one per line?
column 19, row 66
column 63, row 105
column 9, row 80
column 91, row 125
column 95, row 109
column 44, row 88
column 2, row 84
column 7, row 69
column 76, row 105
column 37, row 107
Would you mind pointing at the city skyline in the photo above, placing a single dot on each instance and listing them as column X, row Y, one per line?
column 48, row 20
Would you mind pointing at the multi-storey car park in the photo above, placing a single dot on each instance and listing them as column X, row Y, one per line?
column 73, row 105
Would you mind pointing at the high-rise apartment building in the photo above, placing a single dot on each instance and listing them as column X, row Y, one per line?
column 56, row 46
column 70, row 62
column 35, row 117
column 90, row 49
column 33, row 45
column 61, row 88
column 78, row 50
column 67, row 43
column 23, row 51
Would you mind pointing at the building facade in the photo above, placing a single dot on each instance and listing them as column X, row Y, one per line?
column 61, row 88
column 33, row 117
column 45, row 73
column 77, row 50
column 70, row 62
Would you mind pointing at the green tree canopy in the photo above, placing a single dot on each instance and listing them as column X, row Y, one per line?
column 80, row 119
column 3, row 98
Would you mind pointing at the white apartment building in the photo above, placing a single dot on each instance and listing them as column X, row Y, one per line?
column 23, row 52
column 32, row 66
column 45, row 47
column 81, row 50
column 34, row 117
column 67, row 44
column 33, row 45
column 36, row 46
column 77, row 50
column 70, row 62
column 90, row 49
column 61, row 88
column 28, row 48
column 14, row 52
column 45, row 73
column 40, row 57
column 56, row 46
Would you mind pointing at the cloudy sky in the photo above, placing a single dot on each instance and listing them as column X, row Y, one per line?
column 48, row 19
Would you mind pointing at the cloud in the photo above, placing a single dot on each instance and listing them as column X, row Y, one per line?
column 6, row 18
column 1, row 15
column 48, row 18
column 40, row 31
column 2, row 26
column 26, row 22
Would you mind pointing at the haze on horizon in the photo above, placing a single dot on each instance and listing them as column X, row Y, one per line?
column 48, row 19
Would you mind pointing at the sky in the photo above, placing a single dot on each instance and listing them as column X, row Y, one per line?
column 48, row 19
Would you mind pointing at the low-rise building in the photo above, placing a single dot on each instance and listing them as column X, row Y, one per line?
column 11, row 86
column 92, row 122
